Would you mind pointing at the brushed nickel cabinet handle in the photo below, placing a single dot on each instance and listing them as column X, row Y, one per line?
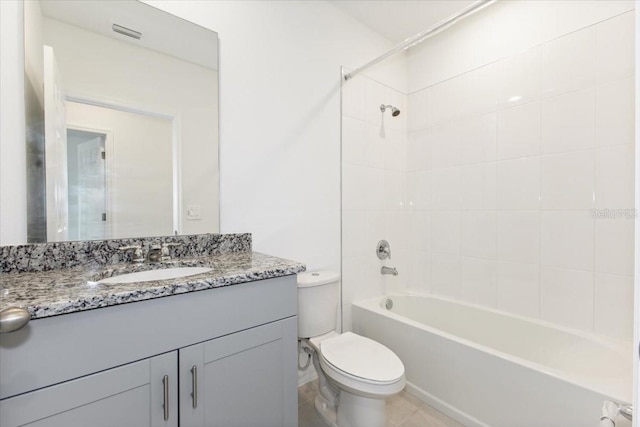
column 165, row 385
column 194, row 385
column 13, row 319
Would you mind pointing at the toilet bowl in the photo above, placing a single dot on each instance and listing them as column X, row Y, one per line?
column 356, row 374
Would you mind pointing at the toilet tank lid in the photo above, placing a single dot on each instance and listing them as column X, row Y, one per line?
column 317, row 278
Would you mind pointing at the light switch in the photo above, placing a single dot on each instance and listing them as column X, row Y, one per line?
column 194, row 212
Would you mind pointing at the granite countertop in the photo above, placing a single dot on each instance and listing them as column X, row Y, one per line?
column 63, row 291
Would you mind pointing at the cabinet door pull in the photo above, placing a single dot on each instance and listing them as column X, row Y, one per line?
column 194, row 385
column 165, row 385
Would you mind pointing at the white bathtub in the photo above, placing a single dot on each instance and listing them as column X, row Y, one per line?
column 488, row 368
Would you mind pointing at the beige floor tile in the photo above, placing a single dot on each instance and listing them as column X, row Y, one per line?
column 403, row 410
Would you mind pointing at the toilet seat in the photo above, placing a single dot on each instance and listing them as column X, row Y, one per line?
column 361, row 365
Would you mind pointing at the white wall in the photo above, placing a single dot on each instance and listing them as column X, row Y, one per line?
column 280, row 119
column 521, row 124
column 13, row 192
column 139, row 168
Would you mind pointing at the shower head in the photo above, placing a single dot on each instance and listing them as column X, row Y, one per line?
column 394, row 111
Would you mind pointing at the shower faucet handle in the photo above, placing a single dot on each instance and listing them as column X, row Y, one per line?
column 383, row 250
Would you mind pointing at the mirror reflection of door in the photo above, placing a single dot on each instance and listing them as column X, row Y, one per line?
column 87, row 184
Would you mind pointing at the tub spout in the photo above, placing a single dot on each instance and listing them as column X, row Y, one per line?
column 389, row 270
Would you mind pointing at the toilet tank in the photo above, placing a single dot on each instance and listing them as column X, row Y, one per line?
column 317, row 302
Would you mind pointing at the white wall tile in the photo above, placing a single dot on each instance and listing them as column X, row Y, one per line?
column 614, row 306
column 394, row 150
column 353, row 233
column 445, row 274
column 516, row 26
column 446, row 100
column 615, row 48
column 479, row 138
column 614, row 245
column 479, row 90
column 569, row 122
column 615, row 113
column 445, row 232
column 518, row 237
column 615, row 177
column 565, row 16
column 569, row 63
column 567, row 239
column 446, row 143
column 394, row 190
column 567, row 180
column 518, row 288
column 375, row 95
column 445, row 189
column 518, row 184
column 471, row 187
column 375, row 231
column 478, row 234
column 353, row 141
column 566, row 297
column 420, row 232
column 353, row 97
column 419, row 110
column 420, row 272
column 419, row 190
column 519, row 131
column 519, row 78
column 489, row 182
column 419, row 150
column 374, row 144
column 478, row 281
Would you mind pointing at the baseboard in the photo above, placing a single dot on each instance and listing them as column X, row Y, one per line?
column 443, row 407
column 307, row 375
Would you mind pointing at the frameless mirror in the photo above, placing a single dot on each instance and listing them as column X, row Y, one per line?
column 122, row 122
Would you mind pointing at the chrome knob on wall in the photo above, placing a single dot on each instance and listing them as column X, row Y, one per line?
column 383, row 250
column 13, row 319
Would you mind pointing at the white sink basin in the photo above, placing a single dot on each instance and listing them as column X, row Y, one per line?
column 153, row 275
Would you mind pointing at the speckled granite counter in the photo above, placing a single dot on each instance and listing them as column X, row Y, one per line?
column 62, row 291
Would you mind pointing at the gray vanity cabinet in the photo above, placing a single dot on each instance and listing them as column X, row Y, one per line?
column 238, row 380
column 105, row 367
column 132, row 395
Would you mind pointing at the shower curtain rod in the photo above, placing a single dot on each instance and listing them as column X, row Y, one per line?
column 412, row 41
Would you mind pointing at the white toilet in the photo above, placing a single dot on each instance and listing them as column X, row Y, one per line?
column 356, row 374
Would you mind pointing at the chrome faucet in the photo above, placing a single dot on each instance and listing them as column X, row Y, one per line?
column 389, row 270
column 154, row 254
column 137, row 249
column 166, row 251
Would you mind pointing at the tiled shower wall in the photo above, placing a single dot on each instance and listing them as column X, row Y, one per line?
column 373, row 190
column 518, row 174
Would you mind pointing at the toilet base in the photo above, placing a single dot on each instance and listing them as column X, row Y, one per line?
column 359, row 411
column 326, row 411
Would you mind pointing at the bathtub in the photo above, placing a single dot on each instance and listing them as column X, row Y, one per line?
column 484, row 367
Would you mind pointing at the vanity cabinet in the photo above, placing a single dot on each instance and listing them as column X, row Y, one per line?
column 238, row 380
column 127, row 396
column 223, row 356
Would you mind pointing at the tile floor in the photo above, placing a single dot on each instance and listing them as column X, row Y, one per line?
column 403, row 410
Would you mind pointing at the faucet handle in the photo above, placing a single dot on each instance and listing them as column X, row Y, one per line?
column 137, row 252
column 383, row 250
column 166, row 250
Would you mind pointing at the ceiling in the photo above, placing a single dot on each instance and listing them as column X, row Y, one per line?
column 399, row 19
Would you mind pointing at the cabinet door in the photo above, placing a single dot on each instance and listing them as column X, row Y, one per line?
column 246, row 379
column 130, row 395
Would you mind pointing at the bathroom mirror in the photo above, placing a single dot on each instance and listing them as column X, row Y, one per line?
column 121, row 122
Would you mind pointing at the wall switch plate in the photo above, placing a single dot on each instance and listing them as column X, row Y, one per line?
column 194, row 212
